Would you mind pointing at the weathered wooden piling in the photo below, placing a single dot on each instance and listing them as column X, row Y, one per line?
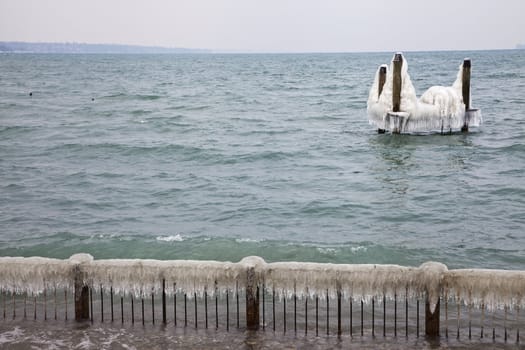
column 382, row 80
column 252, row 293
column 465, row 90
column 81, row 296
column 432, row 319
column 252, row 300
column 397, row 83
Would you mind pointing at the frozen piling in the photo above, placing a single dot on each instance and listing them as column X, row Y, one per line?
column 472, row 115
column 396, row 83
column 381, row 84
column 393, row 104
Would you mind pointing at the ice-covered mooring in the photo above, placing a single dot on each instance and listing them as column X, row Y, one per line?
column 393, row 104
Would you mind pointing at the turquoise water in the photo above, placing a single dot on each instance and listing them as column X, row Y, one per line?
column 225, row 156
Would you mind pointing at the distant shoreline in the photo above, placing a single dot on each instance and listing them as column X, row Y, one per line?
column 84, row 48
column 48, row 47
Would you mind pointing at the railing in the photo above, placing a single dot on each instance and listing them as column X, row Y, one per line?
column 340, row 298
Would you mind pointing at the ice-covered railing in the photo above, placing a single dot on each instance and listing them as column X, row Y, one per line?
column 393, row 104
column 432, row 282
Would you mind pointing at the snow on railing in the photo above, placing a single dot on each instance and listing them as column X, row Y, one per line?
column 487, row 289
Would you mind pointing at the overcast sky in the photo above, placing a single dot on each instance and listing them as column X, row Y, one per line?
column 271, row 25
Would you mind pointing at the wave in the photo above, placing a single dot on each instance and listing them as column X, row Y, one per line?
column 267, row 155
column 140, row 112
column 15, row 130
column 185, row 246
column 146, row 97
column 108, row 148
column 172, row 238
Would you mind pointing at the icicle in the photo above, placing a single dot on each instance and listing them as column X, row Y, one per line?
column 490, row 288
column 493, row 288
column 18, row 275
column 364, row 281
column 438, row 108
column 135, row 276
column 430, row 280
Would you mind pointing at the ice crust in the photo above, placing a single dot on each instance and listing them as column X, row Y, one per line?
column 33, row 275
column 487, row 288
column 439, row 108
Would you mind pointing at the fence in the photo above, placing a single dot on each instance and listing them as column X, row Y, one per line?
column 289, row 296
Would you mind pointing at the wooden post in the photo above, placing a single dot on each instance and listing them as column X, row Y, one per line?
column 396, row 93
column 81, row 296
column 397, row 83
column 465, row 90
column 252, row 300
column 432, row 320
column 382, row 80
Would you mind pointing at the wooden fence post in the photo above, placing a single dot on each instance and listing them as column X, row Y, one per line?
column 465, row 90
column 432, row 319
column 254, row 269
column 432, row 276
column 81, row 296
column 252, row 300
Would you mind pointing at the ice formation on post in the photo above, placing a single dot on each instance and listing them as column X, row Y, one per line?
column 490, row 288
column 142, row 277
column 34, row 275
column 358, row 281
column 440, row 108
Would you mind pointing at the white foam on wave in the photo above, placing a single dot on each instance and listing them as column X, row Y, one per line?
column 19, row 338
column 248, row 240
column 327, row 251
column 334, row 251
column 86, row 343
column 173, row 238
column 358, row 249
column 9, row 337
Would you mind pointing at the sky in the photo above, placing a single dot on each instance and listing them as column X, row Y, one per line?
column 270, row 25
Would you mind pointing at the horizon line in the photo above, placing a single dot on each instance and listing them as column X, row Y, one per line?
column 232, row 51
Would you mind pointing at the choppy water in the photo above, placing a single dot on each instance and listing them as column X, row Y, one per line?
column 225, row 156
column 24, row 335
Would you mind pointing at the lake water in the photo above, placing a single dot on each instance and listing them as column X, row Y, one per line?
column 225, row 156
